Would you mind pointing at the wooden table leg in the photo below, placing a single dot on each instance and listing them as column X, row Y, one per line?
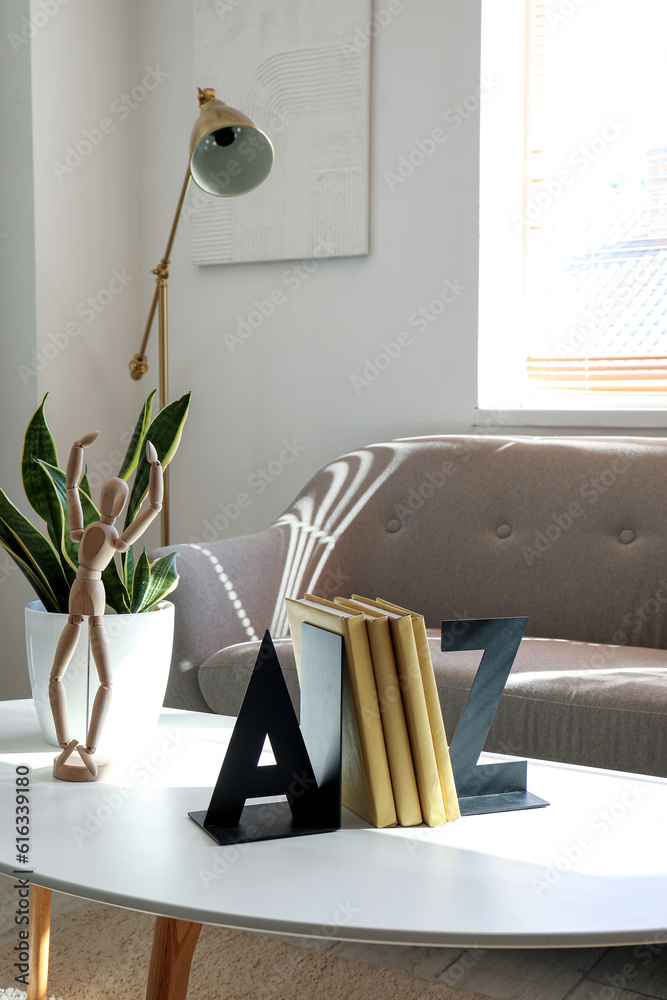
column 171, row 956
column 40, row 935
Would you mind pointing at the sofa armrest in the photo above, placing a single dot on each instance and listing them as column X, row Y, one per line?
column 224, row 677
column 229, row 591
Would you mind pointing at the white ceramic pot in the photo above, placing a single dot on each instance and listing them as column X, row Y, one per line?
column 140, row 656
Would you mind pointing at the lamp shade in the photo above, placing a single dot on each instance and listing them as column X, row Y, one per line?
column 229, row 155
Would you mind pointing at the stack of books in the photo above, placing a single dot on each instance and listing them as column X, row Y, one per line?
column 396, row 766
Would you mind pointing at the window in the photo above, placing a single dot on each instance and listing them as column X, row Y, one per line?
column 573, row 206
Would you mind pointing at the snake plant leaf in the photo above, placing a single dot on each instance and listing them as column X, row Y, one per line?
column 38, row 443
column 165, row 433
column 58, row 482
column 142, row 576
column 163, row 579
column 35, row 556
column 127, row 569
column 36, row 580
column 136, row 444
column 84, row 485
column 115, row 590
column 50, row 562
column 54, row 482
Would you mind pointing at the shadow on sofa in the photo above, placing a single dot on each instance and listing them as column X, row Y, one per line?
column 571, row 532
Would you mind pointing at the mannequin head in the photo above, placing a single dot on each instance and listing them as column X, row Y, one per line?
column 113, row 495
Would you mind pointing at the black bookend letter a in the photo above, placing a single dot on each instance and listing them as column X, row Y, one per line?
column 312, row 789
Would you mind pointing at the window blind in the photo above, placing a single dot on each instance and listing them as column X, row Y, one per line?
column 589, row 374
column 595, row 199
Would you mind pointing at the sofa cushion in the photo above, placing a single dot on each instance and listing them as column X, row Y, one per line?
column 575, row 702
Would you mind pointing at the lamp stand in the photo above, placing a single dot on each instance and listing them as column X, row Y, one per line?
column 218, row 133
column 139, row 363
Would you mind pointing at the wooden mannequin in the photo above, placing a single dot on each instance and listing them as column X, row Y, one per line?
column 98, row 544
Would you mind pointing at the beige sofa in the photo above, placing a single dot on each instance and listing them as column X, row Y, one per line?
column 571, row 532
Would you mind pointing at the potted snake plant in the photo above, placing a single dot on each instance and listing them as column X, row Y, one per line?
column 139, row 621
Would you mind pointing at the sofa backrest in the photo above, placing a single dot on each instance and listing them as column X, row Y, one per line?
column 571, row 532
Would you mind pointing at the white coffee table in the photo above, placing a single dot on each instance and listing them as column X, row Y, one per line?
column 591, row 869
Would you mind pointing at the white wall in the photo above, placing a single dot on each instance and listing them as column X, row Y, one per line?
column 17, row 316
column 291, row 380
column 81, row 57
column 86, row 208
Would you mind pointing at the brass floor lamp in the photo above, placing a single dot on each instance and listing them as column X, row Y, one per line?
column 229, row 156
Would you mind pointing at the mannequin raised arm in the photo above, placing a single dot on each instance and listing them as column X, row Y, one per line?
column 155, row 493
column 73, row 476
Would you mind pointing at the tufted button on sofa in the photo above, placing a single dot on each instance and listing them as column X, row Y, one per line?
column 571, row 532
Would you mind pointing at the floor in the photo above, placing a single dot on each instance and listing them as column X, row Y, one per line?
column 61, row 903
column 631, row 973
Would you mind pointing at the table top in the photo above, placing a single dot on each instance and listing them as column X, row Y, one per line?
column 591, row 869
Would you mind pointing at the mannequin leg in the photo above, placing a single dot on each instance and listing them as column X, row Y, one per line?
column 99, row 644
column 64, row 652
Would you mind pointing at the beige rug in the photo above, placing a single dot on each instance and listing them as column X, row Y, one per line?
column 102, row 953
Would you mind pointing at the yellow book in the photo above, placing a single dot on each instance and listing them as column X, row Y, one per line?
column 416, row 714
column 440, row 746
column 397, row 741
column 366, row 781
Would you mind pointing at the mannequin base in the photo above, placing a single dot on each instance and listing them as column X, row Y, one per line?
column 72, row 768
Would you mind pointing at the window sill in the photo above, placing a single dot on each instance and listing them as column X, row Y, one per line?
column 630, row 419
